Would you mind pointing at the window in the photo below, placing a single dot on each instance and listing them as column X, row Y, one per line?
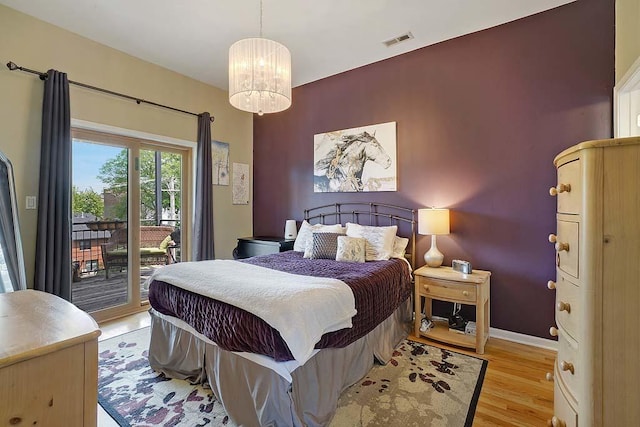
column 92, row 265
column 85, row 245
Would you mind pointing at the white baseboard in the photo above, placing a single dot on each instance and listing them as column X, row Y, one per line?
column 523, row 339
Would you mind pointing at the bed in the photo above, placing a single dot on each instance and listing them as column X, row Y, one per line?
column 327, row 321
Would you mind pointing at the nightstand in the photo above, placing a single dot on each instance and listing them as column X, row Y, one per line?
column 445, row 284
column 261, row 245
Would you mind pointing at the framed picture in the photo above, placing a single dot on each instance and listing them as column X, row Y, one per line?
column 357, row 159
column 220, row 162
column 240, row 189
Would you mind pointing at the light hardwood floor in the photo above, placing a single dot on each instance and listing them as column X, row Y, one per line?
column 514, row 392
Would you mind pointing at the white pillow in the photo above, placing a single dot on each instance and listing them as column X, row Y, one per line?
column 305, row 234
column 351, row 249
column 379, row 240
column 399, row 247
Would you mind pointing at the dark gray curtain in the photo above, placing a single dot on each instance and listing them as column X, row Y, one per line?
column 203, row 222
column 53, row 241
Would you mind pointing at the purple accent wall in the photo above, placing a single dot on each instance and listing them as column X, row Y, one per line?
column 479, row 120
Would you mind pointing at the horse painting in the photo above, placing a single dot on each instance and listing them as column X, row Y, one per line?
column 341, row 168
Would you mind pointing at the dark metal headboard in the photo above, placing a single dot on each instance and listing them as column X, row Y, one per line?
column 378, row 214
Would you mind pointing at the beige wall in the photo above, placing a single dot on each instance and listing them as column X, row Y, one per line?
column 627, row 35
column 37, row 45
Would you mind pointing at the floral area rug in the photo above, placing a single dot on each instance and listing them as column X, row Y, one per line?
column 421, row 386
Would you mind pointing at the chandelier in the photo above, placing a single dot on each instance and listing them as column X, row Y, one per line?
column 259, row 75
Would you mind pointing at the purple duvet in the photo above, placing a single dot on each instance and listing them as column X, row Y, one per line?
column 379, row 288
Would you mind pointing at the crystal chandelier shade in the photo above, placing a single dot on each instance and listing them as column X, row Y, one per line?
column 259, row 76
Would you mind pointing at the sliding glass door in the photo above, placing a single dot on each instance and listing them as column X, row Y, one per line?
column 129, row 200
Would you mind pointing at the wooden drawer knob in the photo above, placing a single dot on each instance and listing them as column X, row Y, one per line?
column 426, row 288
column 465, row 293
column 553, row 331
column 561, row 188
column 551, row 284
column 563, row 306
column 552, row 238
column 561, row 246
column 549, row 376
column 557, row 422
column 567, row 366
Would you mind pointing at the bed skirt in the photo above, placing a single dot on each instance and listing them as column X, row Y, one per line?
column 254, row 395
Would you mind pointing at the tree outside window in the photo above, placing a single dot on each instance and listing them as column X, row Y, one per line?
column 113, row 174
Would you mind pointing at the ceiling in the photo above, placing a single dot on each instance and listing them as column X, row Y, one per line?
column 326, row 37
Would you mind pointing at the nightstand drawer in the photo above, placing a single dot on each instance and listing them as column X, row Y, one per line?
column 254, row 246
column 447, row 290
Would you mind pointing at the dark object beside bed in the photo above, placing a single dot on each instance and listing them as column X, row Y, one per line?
column 261, row 245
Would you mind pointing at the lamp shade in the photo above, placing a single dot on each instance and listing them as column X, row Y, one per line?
column 433, row 221
column 259, row 76
column 290, row 229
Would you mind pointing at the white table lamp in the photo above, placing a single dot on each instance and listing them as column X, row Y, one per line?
column 434, row 222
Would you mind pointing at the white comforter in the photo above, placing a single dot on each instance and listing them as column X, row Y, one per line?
column 301, row 308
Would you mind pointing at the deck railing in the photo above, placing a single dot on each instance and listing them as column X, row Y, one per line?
column 86, row 252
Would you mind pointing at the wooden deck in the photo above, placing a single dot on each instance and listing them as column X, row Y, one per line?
column 95, row 292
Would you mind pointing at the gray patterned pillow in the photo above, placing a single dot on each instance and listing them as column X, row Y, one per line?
column 350, row 249
column 304, row 240
column 325, row 245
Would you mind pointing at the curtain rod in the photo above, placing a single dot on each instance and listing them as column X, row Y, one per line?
column 12, row 66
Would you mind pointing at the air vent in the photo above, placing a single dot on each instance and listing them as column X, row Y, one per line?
column 396, row 40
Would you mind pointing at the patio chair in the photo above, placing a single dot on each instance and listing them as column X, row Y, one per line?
column 115, row 252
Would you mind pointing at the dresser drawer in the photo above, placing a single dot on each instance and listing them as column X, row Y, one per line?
column 562, row 410
column 568, row 310
column 568, row 189
column 567, row 247
column 447, row 290
column 567, row 363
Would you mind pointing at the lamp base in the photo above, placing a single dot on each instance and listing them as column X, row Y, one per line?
column 433, row 257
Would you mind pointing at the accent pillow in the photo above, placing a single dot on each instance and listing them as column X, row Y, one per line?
column 399, row 247
column 304, row 237
column 164, row 245
column 379, row 245
column 325, row 245
column 350, row 249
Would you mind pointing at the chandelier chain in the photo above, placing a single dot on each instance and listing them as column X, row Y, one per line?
column 260, row 18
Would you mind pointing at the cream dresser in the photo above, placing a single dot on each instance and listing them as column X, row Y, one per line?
column 48, row 362
column 597, row 243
